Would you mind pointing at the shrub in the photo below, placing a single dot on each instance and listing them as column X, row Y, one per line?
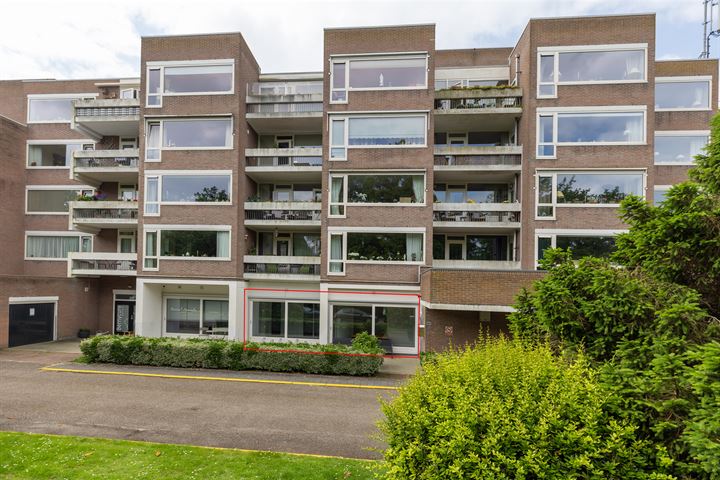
column 504, row 409
column 204, row 353
column 365, row 342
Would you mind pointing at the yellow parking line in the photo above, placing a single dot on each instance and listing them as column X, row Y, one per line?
column 221, row 379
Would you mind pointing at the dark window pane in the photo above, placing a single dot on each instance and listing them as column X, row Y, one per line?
column 268, row 319
column 397, row 324
column 349, row 320
column 196, row 188
column 303, row 320
column 183, row 316
column 586, row 246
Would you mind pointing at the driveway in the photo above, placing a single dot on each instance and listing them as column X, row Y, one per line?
column 260, row 416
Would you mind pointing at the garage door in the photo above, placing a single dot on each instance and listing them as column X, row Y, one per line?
column 31, row 323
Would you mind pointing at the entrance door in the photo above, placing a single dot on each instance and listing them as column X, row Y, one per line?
column 31, row 323
column 124, row 317
column 283, row 246
column 456, row 248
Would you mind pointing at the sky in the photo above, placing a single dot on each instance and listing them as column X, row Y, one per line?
column 101, row 39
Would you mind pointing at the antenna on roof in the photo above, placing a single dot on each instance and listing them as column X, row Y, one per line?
column 708, row 26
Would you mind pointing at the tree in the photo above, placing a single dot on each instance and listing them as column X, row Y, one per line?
column 211, row 194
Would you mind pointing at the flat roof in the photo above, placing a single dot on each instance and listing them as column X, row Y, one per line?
column 365, row 27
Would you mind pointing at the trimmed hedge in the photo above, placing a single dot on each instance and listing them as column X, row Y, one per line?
column 361, row 359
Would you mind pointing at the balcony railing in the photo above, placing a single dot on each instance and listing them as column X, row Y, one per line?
column 262, row 266
column 478, row 103
column 477, row 213
column 107, row 159
column 286, row 88
column 124, row 211
column 278, row 108
column 102, row 263
column 263, row 212
column 284, row 161
column 125, row 107
column 477, row 264
column 477, row 160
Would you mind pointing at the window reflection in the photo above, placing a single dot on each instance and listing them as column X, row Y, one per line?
column 601, row 66
column 678, row 148
column 597, row 188
column 691, row 95
column 392, row 73
column 600, row 127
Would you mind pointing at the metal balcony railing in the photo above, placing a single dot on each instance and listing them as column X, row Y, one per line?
column 476, row 160
column 107, row 162
column 477, row 103
column 300, row 107
column 102, row 263
column 284, row 161
column 107, row 111
column 283, row 268
column 89, row 213
column 286, row 88
column 285, row 215
column 473, row 216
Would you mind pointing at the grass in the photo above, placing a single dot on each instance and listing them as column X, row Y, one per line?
column 34, row 456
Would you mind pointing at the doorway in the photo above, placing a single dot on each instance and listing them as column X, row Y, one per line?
column 124, row 313
column 31, row 323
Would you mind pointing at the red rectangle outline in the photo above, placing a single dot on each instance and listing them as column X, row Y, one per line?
column 417, row 337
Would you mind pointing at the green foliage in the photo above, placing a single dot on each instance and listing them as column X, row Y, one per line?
column 639, row 331
column 506, row 410
column 203, row 353
column 364, row 342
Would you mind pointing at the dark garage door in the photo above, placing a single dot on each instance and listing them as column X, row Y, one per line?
column 31, row 323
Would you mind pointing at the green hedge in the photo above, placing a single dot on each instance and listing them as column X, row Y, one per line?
column 231, row 355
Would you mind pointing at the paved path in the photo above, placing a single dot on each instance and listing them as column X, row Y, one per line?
column 262, row 416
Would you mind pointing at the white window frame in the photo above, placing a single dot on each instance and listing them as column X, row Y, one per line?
column 56, row 96
column 79, row 189
column 159, row 174
column 590, row 111
column 680, row 133
column 373, row 305
column 342, row 261
column 553, row 233
column 284, row 338
column 685, row 79
column 185, row 63
column 556, row 51
column 348, row 59
column 332, row 119
column 345, row 230
column 133, row 91
column 202, row 299
column 155, row 257
column 39, row 233
column 554, row 173
column 206, row 228
column 347, row 116
column 125, row 234
column 345, row 176
column 30, row 143
column 162, row 121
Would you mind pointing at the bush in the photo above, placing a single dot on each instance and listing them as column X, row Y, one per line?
column 505, row 409
column 363, row 359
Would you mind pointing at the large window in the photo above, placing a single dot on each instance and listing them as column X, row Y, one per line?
column 394, row 247
column 204, row 77
column 472, row 192
column 377, row 73
column 197, row 133
column 386, row 131
column 195, row 243
column 589, row 64
column 49, row 246
column 472, row 247
column 585, row 188
column 679, row 148
column 588, row 128
column 286, row 320
column 59, row 154
column 294, row 244
column 378, row 188
column 397, row 325
column 52, row 108
column 682, row 93
column 580, row 244
column 52, row 201
column 195, row 188
column 193, row 316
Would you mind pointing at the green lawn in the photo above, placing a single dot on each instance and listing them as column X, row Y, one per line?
column 32, row 456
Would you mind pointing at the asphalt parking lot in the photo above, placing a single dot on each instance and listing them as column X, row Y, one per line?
column 282, row 417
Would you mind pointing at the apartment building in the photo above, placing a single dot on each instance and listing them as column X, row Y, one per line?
column 403, row 190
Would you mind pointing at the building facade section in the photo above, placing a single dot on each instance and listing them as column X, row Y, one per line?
column 403, row 190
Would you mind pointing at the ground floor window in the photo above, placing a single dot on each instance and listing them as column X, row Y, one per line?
column 394, row 325
column 193, row 316
column 286, row 320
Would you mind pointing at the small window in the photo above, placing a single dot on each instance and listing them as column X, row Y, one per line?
column 126, row 93
column 337, row 254
column 337, row 139
column 679, row 148
column 546, row 136
column 682, row 94
column 153, row 88
column 152, row 144
column 338, row 91
column 150, row 252
column 546, row 76
column 152, row 196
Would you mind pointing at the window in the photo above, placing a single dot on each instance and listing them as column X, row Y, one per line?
column 377, row 73
column 197, row 133
column 286, row 320
column 679, row 148
column 152, row 197
column 337, row 254
column 52, row 201
column 203, row 77
column 472, row 247
column 192, row 188
column 150, row 252
column 51, row 155
column 472, row 193
column 49, row 246
column 581, row 244
column 386, row 131
column 299, row 192
column 152, row 144
column 589, row 64
column 384, row 188
column 585, row 188
column 660, row 193
column 588, row 128
column 52, row 108
column 195, row 243
column 128, row 93
column 306, row 244
column 337, row 196
column 337, row 139
column 193, row 316
column 384, row 247
column 198, row 79
column 396, row 324
column 682, row 93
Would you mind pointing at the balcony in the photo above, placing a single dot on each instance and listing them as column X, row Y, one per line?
column 96, row 264
column 269, row 267
column 281, row 107
column 300, row 164
column 471, row 158
column 477, row 109
column 93, row 216
column 97, row 166
column 470, row 216
column 107, row 117
column 477, row 264
column 288, row 215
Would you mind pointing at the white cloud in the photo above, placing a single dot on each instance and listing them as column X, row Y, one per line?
column 83, row 39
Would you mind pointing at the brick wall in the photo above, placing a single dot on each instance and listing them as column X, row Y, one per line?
column 12, row 189
column 445, row 328
column 475, row 287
